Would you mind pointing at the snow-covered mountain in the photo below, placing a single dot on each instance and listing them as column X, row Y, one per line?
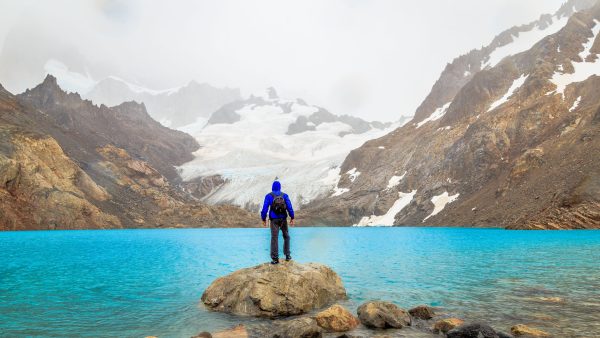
column 172, row 107
column 248, row 143
column 508, row 136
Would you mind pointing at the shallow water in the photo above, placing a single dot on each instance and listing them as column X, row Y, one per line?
column 134, row 283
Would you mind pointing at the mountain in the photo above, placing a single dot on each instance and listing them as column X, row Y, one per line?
column 508, row 136
column 68, row 164
column 174, row 107
column 248, row 143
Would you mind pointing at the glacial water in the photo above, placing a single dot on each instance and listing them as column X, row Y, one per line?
column 134, row 283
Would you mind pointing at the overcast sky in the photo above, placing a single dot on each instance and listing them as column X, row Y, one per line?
column 373, row 59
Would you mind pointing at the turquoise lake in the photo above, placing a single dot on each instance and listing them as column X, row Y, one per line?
column 134, row 283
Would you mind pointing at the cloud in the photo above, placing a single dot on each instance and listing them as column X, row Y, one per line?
column 375, row 59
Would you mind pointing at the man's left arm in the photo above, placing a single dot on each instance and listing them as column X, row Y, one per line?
column 290, row 209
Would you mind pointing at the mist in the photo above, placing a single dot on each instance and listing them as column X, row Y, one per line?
column 372, row 59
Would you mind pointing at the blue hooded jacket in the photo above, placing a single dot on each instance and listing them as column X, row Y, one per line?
column 269, row 200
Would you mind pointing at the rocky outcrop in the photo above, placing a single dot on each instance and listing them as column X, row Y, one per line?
column 522, row 330
column 79, row 125
column 337, row 319
column 501, row 146
column 272, row 291
column 57, row 172
column 383, row 315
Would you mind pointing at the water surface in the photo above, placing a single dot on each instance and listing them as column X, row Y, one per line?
column 134, row 283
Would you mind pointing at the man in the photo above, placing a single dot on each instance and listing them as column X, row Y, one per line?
column 278, row 206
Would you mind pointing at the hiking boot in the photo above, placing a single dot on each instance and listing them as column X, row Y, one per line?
column 288, row 258
column 275, row 261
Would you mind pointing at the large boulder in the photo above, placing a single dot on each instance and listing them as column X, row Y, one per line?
column 474, row 330
column 336, row 318
column 268, row 290
column 382, row 315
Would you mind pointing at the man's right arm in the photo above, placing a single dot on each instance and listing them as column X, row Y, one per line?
column 265, row 209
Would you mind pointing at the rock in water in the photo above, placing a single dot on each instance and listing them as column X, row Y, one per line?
column 267, row 290
column 422, row 312
column 446, row 325
column 377, row 314
column 475, row 330
column 337, row 319
column 521, row 330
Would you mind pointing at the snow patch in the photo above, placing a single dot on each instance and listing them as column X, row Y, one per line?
column 388, row 218
column 395, row 180
column 513, row 88
column 582, row 70
column 353, row 174
column 437, row 114
column 575, row 104
column 439, row 203
column 524, row 41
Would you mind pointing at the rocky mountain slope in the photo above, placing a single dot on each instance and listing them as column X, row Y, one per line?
column 175, row 108
column 509, row 136
column 67, row 164
column 248, row 143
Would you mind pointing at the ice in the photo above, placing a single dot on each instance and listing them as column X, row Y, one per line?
column 582, row 70
column 513, row 88
column 524, row 41
column 195, row 127
column 353, row 174
column 251, row 152
column 437, row 114
column 575, row 104
column 395, row 180
column 388, row 218
column 439, row 203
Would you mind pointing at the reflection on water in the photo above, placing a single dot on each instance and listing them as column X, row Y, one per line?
column 148, row 282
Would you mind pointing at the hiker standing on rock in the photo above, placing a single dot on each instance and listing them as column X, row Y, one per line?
column 278, row 206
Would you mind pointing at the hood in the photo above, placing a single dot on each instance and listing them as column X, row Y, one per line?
column 276, row 186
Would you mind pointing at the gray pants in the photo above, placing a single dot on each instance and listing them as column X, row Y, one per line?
column 276, row 224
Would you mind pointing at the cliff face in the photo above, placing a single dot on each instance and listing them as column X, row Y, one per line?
column 62, row 167
column 515, row 146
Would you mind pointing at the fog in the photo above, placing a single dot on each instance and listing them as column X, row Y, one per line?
column 373, row 59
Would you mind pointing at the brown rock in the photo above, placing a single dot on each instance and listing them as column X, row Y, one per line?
column 337, row 318
column 522, row 330
column 422, row 312
column 203, row 335
column 267, row 290
column 238, row 331
column 378, row 314
column 446, row 325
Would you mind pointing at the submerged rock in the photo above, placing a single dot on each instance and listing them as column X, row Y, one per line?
column 378, row 314
column 474, row 330
column 267, row 290
column 422, row 312
column 446, row 325
column 521, row 330
column 238, row 331
column 336, row 318
column 303, row 327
